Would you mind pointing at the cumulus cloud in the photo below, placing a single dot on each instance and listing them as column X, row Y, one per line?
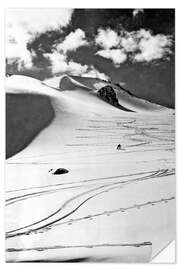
column 152, row 47
column 73, row 41
column 38, row 19
column 60, row 64
column 94, row 73
column 16, row 40
column 140, row 45
column 129, row 42
column 145, row 46
column 107, row 38
column 118, row 56
column 22, row 24
column 58, row 58
column 74, row 68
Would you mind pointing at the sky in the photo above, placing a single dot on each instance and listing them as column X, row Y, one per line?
column 134, row 47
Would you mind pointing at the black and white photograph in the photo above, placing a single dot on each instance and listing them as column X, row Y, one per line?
column 90, row 135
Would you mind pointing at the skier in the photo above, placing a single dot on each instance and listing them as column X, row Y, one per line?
column 119, row 147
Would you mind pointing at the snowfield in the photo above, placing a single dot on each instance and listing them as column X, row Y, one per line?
column 112, row 205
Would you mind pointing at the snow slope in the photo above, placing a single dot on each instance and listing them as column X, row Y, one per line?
column 93, row 85
column 111, row 205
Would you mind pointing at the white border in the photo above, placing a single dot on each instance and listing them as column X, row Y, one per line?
column 77, row 4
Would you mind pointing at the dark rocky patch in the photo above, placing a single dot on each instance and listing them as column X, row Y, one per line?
column 108, row 94
column 60, row 171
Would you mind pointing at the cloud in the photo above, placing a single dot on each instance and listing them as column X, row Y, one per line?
column 22, row 24
column 94, row 73
column 16, row 40
column 61, row 65
column 139, row 46
column 129, row 42
column 59, row 61
column 73, row 41
column 74, row 68
column 110, row 42
column 136, row 46
column 107, row 38
column 58, row 58
column 38, row 19
column 152, row 47
column 118, row 56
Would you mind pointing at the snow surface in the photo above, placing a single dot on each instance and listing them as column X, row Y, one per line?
column 112, row 205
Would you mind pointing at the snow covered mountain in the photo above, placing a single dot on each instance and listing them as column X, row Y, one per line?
column 110, row 205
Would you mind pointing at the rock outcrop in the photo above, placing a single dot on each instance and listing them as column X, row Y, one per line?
column 108, row 94
column 58, row 171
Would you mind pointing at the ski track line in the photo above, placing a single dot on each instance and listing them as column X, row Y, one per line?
column 109, row 186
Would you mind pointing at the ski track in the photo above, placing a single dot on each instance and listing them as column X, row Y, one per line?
column 107, row 187
column 120, row 125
